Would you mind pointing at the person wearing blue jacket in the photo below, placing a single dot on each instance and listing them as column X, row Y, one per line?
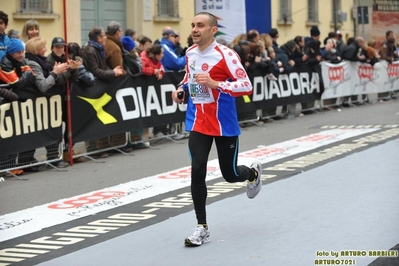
column 170, row 60
column 4, row 40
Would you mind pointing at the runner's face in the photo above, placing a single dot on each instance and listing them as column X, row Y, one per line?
column 201, row 31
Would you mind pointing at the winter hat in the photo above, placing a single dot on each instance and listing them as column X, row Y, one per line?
column 314, row 31
column 58, row 41
column 14, row 46
column 128, row 43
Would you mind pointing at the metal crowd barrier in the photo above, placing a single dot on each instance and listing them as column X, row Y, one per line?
column 32, row 158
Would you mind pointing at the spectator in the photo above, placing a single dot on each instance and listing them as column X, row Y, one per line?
column 371, row 54
column 114, row 54
column 257, row 61
column 273, row 33
column 57, row 55
column 341, row 45
column 94, row 56
column 331, row 54
column 189, row 44
column 314, row 34
column 151, row 59
column 312, row 47
column 240, row 45
column 132, row 61
column 298, row 55
column 159, row 40
column 113, row 46
column 388, row 48
column 84, row 76
column 253, row 36
column 132, row 33
column 170, row 60
column 144, row 43
column 289, row 48
column 46, row 77
column 236, row 41
column 4, row 39
column 14, row 34
column 354, row 51
column 267, row 41
column 275, row 65
column 30, row 30
column 179, row 48
column 16, row 73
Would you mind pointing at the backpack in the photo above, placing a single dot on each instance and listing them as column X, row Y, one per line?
column 131, row 65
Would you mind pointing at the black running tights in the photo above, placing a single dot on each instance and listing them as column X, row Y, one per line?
column 227, row 149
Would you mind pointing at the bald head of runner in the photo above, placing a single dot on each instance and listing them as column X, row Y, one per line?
column 203, row 29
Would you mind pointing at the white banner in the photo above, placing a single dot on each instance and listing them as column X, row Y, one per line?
column 230, row 14
column 354, row 78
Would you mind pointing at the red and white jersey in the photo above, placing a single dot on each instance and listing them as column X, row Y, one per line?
column 213, row 111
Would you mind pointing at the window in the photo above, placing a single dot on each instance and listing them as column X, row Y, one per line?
column 168, row 8
column 336, row 11
column 39, row 6
column 285, row 11
column 313, row 11
column 386, row 5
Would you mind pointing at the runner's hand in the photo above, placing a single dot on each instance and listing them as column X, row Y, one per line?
column 205, row 79
column 174, row 95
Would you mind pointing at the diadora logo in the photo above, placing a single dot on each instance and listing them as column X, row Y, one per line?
column 98, row 105
column 133, row 103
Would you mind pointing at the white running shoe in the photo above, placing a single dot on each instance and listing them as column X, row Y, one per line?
column 200, row 236
column 255, row 186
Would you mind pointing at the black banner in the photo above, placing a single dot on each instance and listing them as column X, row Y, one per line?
column 125, row 104
column 32, row 124
column 301, row 84
column 129, row 103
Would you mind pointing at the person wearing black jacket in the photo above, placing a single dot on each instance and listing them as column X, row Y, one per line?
column 355, row 51
column 15, row 72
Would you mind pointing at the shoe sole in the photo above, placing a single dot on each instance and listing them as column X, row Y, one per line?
column 188, row 243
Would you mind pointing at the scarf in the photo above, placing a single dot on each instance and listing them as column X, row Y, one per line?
column 98, row 47
column 17, row 65
column 58, row 59
column 41, row 60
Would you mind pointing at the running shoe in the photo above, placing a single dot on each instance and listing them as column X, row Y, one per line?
column 200, row 236
column 253, row 187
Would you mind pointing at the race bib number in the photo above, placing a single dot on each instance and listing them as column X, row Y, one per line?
column 200, row 94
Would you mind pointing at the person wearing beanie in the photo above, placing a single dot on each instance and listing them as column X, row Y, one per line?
column 131, row 59
column 315, row 32
column 128, row 43
column 18, row 75
column 14, row 68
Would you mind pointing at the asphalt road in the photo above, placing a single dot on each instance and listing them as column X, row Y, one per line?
column 50, row 185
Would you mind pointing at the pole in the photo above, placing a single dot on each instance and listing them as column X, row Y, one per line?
column 362, row 16
column 335, row 15
column 68, row 93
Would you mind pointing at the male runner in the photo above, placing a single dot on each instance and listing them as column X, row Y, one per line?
column 214, row 76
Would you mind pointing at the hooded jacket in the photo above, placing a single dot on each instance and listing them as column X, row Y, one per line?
column 170, row 60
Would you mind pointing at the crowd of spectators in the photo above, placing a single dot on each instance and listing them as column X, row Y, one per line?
column 113, row 52
column 109, row 54
column 262, row 51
